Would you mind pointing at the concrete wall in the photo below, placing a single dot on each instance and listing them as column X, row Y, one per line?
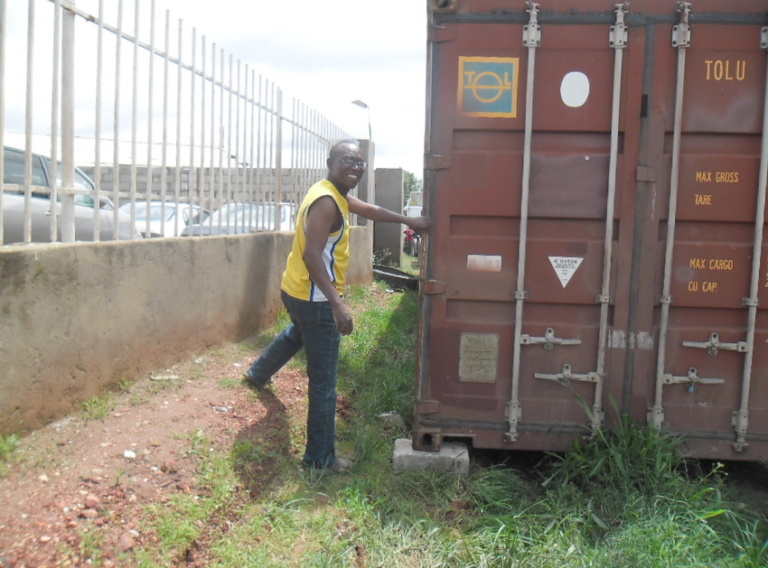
column 388, row 237
column 75, row 318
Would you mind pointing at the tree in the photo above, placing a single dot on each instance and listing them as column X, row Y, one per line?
column 411, row 183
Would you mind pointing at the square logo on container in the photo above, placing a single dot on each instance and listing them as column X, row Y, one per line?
column 488, row 86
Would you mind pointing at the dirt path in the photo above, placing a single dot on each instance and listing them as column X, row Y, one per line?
column 77, row 473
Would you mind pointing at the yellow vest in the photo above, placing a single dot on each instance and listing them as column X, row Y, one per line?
column 296, row 280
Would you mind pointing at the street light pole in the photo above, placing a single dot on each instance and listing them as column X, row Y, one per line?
column 361, row 104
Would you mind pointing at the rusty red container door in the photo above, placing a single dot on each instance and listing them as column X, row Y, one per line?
column 594, row 178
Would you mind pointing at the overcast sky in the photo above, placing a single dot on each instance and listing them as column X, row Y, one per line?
column 328, row 53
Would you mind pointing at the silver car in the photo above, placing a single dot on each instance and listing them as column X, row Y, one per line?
column 41, row 208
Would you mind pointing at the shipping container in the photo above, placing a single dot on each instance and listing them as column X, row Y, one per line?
column 596, row 175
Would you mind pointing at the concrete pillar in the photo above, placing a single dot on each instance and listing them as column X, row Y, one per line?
column 388, row 237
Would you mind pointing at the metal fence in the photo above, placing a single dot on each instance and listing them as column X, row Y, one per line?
column 150, row 113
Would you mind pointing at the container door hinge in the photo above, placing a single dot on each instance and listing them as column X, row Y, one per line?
column 566, row 376
column 691, row 379
column 441, row 34
column 433, row 287
column 437, row 162
column 713, row 345
column 549, row 340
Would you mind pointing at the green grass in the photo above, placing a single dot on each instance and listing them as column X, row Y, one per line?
column 621, row 499
column 8, row 444
column 97, row 407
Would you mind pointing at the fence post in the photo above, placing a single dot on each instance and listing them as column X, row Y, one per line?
column 68, row 125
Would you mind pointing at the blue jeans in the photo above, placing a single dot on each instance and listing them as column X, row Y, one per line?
column 313, row 328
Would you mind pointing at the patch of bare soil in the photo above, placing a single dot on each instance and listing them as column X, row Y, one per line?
column 76, row 474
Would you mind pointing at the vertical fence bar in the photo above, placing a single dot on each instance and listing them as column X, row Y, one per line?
column 179, row 82
column 279, row 149
column 116, row 124
column 212, row 163
column 67, row 126
column 251, row 152
column 135, row 112
column 260, row 109
column 3, row 30
column 55, row 95
column 166, row 92
column 28, row 123
column 191, row 186
column 201, row 179
column 236, row 149
column 150, row 122
column 97, row 134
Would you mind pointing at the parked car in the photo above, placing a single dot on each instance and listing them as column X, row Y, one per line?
column 167, row 219
column 240, row 218
column 41, row 207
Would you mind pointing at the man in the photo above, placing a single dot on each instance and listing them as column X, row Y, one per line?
column 312, row 288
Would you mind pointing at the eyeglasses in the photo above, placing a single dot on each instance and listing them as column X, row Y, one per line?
column 349, row 161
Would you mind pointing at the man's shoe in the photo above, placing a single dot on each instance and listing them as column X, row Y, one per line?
column 251, row 383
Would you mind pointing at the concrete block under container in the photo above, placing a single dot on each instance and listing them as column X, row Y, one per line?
column 453, row 457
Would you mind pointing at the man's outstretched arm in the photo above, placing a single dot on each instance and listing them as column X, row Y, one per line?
column 382, row 215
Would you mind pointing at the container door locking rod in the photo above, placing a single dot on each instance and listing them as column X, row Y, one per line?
column 681, row 39
column 532, row 40
column 741, row 416
column 617, row 39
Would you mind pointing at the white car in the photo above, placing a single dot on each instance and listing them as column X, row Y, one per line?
column 166, row 219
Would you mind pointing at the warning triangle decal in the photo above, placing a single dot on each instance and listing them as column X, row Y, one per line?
column 565, row 266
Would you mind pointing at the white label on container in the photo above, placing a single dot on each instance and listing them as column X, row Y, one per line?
column 565, row 266
column 478, row 357
column 484, row 262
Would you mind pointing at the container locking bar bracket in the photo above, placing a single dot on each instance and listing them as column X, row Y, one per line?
column 549, row 340
column 714, row 345
column 618, row 33
column 532, row 30
column 566, row 376
column 692, row 379
column 681, row 33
